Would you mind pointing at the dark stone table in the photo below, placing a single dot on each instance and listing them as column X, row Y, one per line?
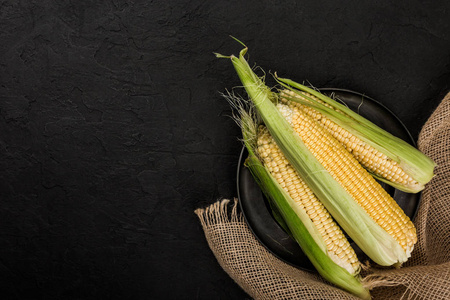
column 113, row 130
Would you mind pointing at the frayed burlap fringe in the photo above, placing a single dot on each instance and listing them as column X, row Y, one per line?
column 425, row 276
column 258, row 272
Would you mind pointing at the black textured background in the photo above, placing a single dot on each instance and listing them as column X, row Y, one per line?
column 112, row 128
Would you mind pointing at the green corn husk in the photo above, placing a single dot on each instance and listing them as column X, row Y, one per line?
column 381, row 247
column 416, row 164
column 297, row 221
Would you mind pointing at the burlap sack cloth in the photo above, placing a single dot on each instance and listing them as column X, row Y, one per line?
column 426, row 275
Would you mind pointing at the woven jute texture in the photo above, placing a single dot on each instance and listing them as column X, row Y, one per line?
column 426, row 275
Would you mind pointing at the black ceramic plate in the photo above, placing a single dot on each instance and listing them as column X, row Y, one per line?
column 256, row 208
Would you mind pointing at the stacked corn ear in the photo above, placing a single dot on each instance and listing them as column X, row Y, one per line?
column 294, row 144
column 386, row 157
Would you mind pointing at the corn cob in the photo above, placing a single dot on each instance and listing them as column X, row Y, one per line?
column 387, row 158
column 351, row 211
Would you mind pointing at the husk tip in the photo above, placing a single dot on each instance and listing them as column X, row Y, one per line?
column 218, row 55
